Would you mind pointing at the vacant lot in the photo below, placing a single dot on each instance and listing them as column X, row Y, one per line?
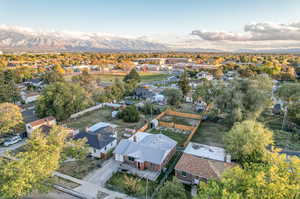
column 131, row 185
column 101, row 115
column 210, row 133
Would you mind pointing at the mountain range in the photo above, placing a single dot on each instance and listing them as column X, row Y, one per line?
column 19, row 39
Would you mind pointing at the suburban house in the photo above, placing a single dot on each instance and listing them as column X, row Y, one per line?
column 189, row 97
column 30, row 97
column 41, row 123
column 101, row 139
column 144, row 93
column 146, row 151
column 204, row 75
column 201, row 162
column 37, row 82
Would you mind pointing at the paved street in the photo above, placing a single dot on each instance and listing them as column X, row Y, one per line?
column 3, row 150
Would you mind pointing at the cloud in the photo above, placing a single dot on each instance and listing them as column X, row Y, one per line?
column 255, row 32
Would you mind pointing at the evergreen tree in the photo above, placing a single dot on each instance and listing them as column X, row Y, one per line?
column 132, row 76
column 184, row 83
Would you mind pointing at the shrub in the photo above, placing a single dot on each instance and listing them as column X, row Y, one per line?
column 129, row 114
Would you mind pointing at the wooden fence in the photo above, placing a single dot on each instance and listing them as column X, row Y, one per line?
column 180, row 114
column 193, row 129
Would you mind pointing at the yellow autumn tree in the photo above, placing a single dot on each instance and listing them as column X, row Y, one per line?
column 10, row 118
column 32, row 170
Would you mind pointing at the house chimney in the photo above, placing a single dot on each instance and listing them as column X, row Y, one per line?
column 228, row 158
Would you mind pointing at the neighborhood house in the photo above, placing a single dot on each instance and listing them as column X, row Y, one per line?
column 44, row 123
column 101, row 139
column 146, row 151
column 202, row 162
column 30, row 97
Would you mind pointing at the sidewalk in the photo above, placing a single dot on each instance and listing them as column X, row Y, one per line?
column 90, row 190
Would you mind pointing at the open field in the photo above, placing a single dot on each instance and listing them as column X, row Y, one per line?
column 146, row 77
column 101, row 115
column 210, row 133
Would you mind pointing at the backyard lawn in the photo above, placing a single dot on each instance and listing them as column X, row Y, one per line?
column 178, row 137
column 131, row 185
column 79, row 168
column 210, row 133
column 101, row 115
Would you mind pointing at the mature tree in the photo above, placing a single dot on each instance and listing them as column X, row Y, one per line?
column 8, row 89
column 77, row 149
column 184, row 83
column 294, row 112
column 59, row 69
column 279, row 179
column 172, row 189
column 150, row 109
column 61, row 100
column 85, row 80
column 132, row 75
column 53, row 76
column 248, row 141
column 207, row 91
column 290, row 94
column 218, row 73
column 10, row 118
column 243, row 99
column 30, row 170
column 129, row 114
column 174, row 96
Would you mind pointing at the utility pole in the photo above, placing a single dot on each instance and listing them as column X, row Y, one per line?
column 146, row 188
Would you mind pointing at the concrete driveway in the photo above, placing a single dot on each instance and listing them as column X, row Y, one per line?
column 100, row 176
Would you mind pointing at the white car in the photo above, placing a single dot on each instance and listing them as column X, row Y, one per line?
column 12, row 140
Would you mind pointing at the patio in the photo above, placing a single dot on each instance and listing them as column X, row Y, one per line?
column 146, row 174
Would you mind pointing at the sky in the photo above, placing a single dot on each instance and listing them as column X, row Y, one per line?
column 151, row 17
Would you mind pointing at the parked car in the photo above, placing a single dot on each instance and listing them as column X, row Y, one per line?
column 12, row 140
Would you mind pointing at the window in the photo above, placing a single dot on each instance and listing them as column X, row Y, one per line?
column 183, row 173
column 105, row 148
column 130, row 158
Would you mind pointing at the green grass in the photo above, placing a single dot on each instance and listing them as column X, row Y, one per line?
column 283, row 139
column 287, row 140
column 118, row 182
column 101, row 115
column 210, row 133
column 179, row 138
column 79, row 168
column 146, row 77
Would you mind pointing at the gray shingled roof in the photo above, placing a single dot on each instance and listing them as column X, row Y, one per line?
column 97, row 139
column 152, row 148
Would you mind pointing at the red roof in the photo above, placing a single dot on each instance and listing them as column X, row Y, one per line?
column 42, row 121
column 201, row 167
